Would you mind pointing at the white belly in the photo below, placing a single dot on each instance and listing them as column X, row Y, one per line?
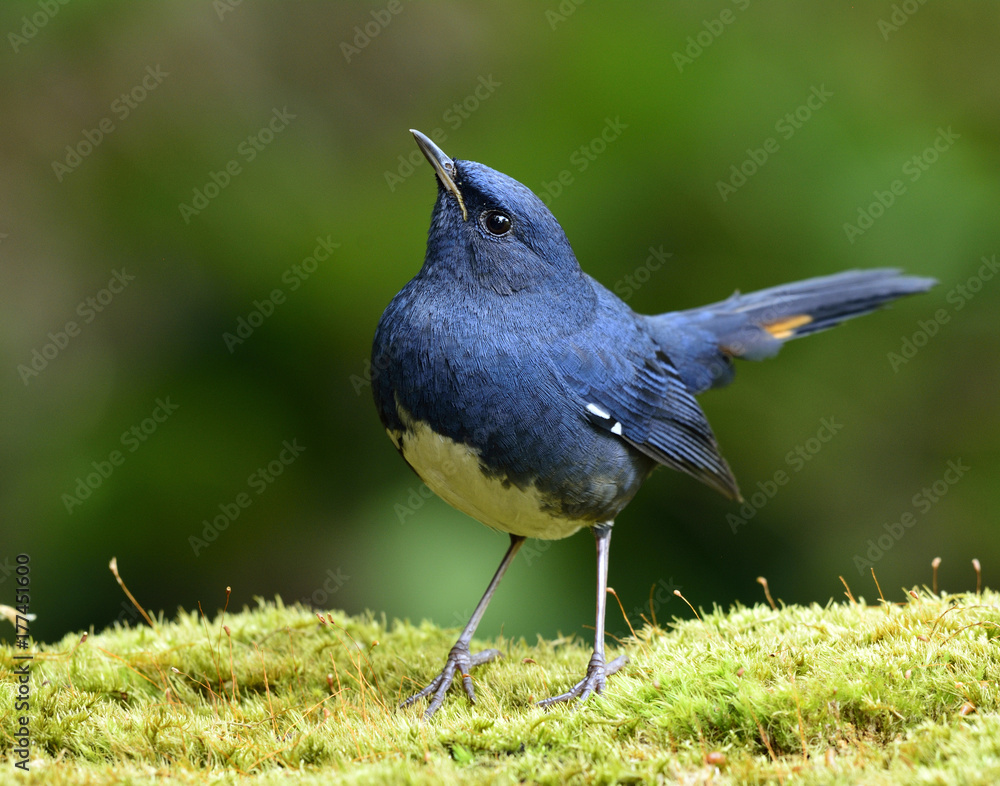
column 452, row 471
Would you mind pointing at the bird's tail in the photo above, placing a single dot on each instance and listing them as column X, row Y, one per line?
column 754, row 326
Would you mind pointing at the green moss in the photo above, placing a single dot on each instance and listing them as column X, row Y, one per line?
column 838, row 694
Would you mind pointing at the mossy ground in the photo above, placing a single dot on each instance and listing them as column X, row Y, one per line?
column 846, row 693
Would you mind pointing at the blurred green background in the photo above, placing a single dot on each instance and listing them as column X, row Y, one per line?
column 115, row 116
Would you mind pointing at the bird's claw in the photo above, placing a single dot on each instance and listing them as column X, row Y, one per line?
column 460, row 661
column 597, row 672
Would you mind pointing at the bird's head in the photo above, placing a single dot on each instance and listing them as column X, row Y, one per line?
column 489, row 230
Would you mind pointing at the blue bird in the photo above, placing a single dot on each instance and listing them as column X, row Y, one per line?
column 530, row 397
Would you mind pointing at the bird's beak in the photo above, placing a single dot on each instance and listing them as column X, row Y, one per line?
column 443, row 166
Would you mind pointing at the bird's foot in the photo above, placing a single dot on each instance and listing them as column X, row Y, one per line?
column 597, row 672
column 459, row 662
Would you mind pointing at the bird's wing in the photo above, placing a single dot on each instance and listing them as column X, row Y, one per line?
column 634, row 391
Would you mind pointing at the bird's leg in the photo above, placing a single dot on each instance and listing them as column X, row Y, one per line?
column 460, row 661
column 597, row 669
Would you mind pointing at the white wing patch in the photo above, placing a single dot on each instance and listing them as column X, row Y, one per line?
column 596, row 410
column 616, row 427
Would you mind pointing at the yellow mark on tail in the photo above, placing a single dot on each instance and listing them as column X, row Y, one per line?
column 786, row 327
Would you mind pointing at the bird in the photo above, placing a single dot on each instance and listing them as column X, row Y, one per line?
column 530, row 397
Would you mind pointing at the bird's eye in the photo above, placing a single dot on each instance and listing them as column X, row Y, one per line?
column 496, row 223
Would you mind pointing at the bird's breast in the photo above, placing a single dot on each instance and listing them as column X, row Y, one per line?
column 455, row 472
